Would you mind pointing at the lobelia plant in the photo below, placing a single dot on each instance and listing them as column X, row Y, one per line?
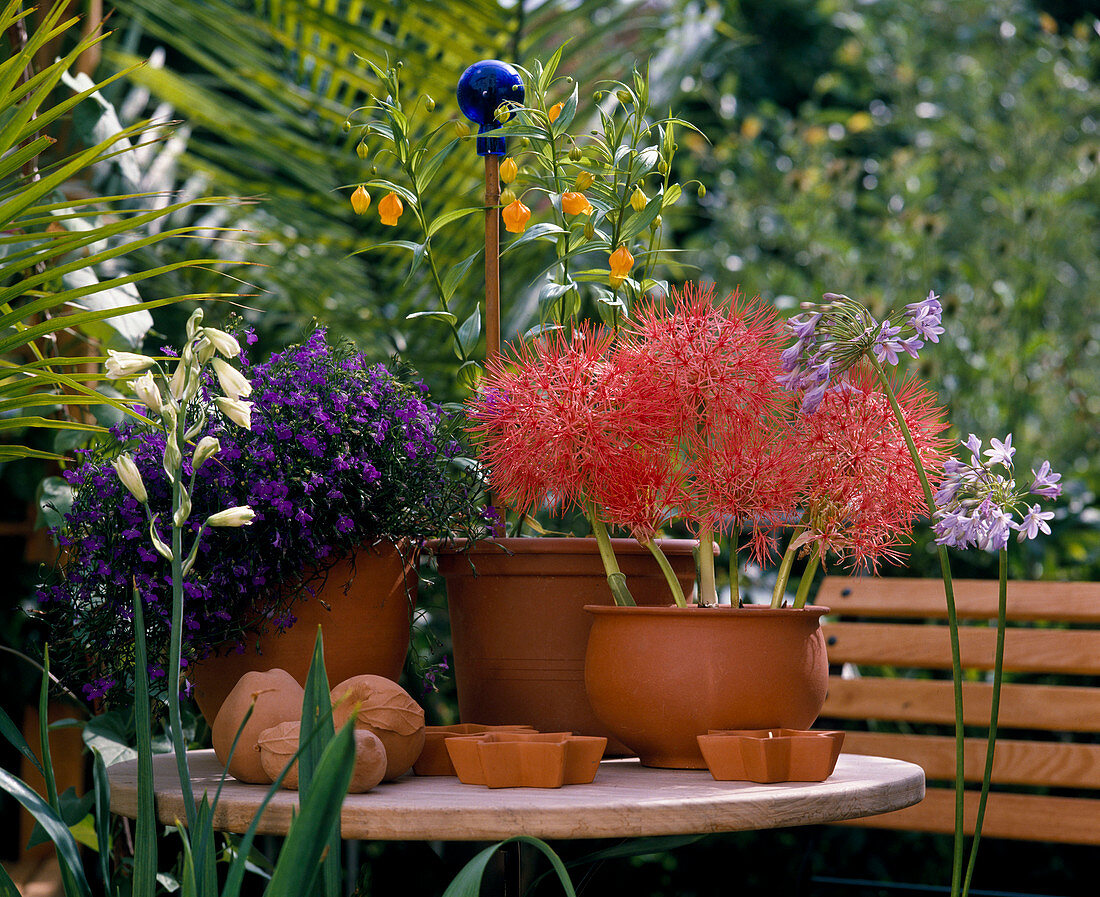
column 339, row 453
column 975, row 505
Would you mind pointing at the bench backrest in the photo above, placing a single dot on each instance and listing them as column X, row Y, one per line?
column 890, row 689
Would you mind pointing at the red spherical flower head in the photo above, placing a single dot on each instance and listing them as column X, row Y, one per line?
column 862, row 491
column 546, row 420
column 751, row 480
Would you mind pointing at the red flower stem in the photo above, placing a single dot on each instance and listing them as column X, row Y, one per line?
column 708, row 593
column 615, row 578
column 807, row 578
column 991, row 742
column 666, row 569
column 953, row 626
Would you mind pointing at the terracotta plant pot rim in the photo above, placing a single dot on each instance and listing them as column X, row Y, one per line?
column 551, row 545
column 672, row 610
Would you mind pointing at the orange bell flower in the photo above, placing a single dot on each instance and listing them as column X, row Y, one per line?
column 575, row 204
column 620, row 261
column 360, row 200
column 515, row 217
column 390, row 208
column 554, row 111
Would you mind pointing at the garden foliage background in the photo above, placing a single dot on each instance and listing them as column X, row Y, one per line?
column 879, row 148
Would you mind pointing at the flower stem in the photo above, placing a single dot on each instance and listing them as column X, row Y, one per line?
column 807, row 578
column 615, row 578
column 784, row 573
column 994, row 708
column 666, row 569
column 176, row 638
column 708, row 592
column 953, row 626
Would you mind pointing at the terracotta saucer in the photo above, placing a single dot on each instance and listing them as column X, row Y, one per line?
column 522, row 760
column 771, row 755
column 434, row 759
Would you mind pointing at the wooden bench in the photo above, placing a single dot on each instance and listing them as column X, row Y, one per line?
column 890, row 689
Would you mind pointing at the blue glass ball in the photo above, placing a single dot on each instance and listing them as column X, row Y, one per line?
column 484, row 86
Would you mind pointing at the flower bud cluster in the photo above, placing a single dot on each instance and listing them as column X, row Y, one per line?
column 832, row 336
column 979, row 501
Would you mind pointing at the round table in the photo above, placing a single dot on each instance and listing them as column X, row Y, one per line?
column 626, row 800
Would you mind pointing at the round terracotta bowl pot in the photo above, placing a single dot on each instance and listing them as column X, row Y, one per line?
column 659, row 676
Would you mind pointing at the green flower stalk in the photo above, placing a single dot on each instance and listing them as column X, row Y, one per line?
column 169, row 403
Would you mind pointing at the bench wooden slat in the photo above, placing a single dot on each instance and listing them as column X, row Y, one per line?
column 1051, row 764
column 1028, row 817
column 1052, row 708
column 1065, row 602
column 929, row 647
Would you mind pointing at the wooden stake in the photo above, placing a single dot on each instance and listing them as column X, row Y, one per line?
column 492, row 257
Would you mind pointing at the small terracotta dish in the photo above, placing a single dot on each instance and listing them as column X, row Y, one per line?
column 434, row 759
column 771, row 755
column 526, row 760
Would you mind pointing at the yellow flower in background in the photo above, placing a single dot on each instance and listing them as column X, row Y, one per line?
column 555, row 111
column 575, row 204
column 515, row 217
column 620, row 261
column 360, row 200
column 585, row 179
column 390, row 208
column 751, row 128
column 508, row 170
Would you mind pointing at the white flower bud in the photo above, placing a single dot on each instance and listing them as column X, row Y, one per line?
column 239, row 516
column 126, row 364
column 227, row 345
column 172, row 457
column 234, row 383
column 193, row 323
column 161, row 548
column 130, row 477
column 204, row 350
column 179, row 380
column 236, row 410
column 208, row 447
column 146, row 389
column 184, row 510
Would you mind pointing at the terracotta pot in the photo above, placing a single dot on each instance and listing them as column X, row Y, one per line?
column 519, row 629
column 526, row 760
column 364, row 610
column 659, row 676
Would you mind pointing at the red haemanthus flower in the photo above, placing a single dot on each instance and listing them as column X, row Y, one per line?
column 862, row 492
column 716, row 368
column 548, row 421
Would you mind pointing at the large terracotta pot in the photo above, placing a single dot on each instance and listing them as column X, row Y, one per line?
column 364, row 610
column 659, row 676
column 519, row 629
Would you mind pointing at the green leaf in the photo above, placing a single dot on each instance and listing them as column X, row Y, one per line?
column 469, row 374
column 447, row 217
column 311, row 832
column 444, row 316
column 315, row 734
column 470, row 332
column 568, row 113
column 468, row 881
column 670, row 195
column 544, row 230
column 15, row 736
column 426, row 175
column 639, row 221
column 454, row 276
column 145, row 836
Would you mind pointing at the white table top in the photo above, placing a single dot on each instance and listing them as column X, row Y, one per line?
column 625, row 800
